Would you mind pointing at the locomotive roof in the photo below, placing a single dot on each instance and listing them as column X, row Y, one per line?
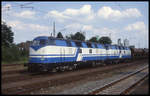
column 50, row 37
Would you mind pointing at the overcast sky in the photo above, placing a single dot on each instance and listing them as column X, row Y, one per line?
column 125, row 20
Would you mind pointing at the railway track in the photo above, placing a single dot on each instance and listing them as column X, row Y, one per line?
column 122, row 85
column 26, row 86
column 24, row 75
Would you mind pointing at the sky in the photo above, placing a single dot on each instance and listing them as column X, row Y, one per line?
column 125, row 20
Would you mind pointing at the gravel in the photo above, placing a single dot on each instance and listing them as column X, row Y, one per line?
column 83, row 86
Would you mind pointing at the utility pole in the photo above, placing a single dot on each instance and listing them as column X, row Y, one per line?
column 110, row 35
column 54, row 29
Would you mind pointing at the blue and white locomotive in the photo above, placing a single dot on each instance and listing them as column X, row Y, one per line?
column 52, row 54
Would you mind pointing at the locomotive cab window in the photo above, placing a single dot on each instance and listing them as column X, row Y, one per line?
column 35, row 43
column 43, row 42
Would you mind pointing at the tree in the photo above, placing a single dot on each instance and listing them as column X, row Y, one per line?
column 70, row 36
column 76, row 36
column 59, row 35
column 105, row 40
column 79, row 36
column 7, row 35
column 93, row 39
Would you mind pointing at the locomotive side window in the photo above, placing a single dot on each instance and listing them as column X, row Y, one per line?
column 90, row 51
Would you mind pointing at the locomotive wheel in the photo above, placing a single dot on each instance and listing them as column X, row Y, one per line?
column 93, row 64
column 54, row 69
column 74, row 66
column 62, row 68
column 70, row 68
column 30, row 69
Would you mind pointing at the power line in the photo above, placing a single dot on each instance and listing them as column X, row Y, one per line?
column 24, row 5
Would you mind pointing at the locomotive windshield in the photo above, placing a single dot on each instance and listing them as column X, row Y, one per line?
column 35, row 42
column 39, row 42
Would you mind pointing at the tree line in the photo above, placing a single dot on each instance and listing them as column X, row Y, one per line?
column 80, row 36
column 11, row 52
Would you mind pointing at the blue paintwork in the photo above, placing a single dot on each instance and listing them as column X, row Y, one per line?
column 73, row 44
column 36, row 47
column 93, row 46
column 84, row 45
column 100, row 46
column 71, row 59
column 61, row 43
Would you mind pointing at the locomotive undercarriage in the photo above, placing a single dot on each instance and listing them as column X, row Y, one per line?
column 68, row 66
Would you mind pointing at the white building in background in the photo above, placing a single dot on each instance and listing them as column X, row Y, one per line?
column 119, row 42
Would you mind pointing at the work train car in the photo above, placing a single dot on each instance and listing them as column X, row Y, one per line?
column 138, row 53
column 146, row 52
column 52, row 54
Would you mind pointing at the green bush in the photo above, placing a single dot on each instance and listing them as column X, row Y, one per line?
column 10, row 54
